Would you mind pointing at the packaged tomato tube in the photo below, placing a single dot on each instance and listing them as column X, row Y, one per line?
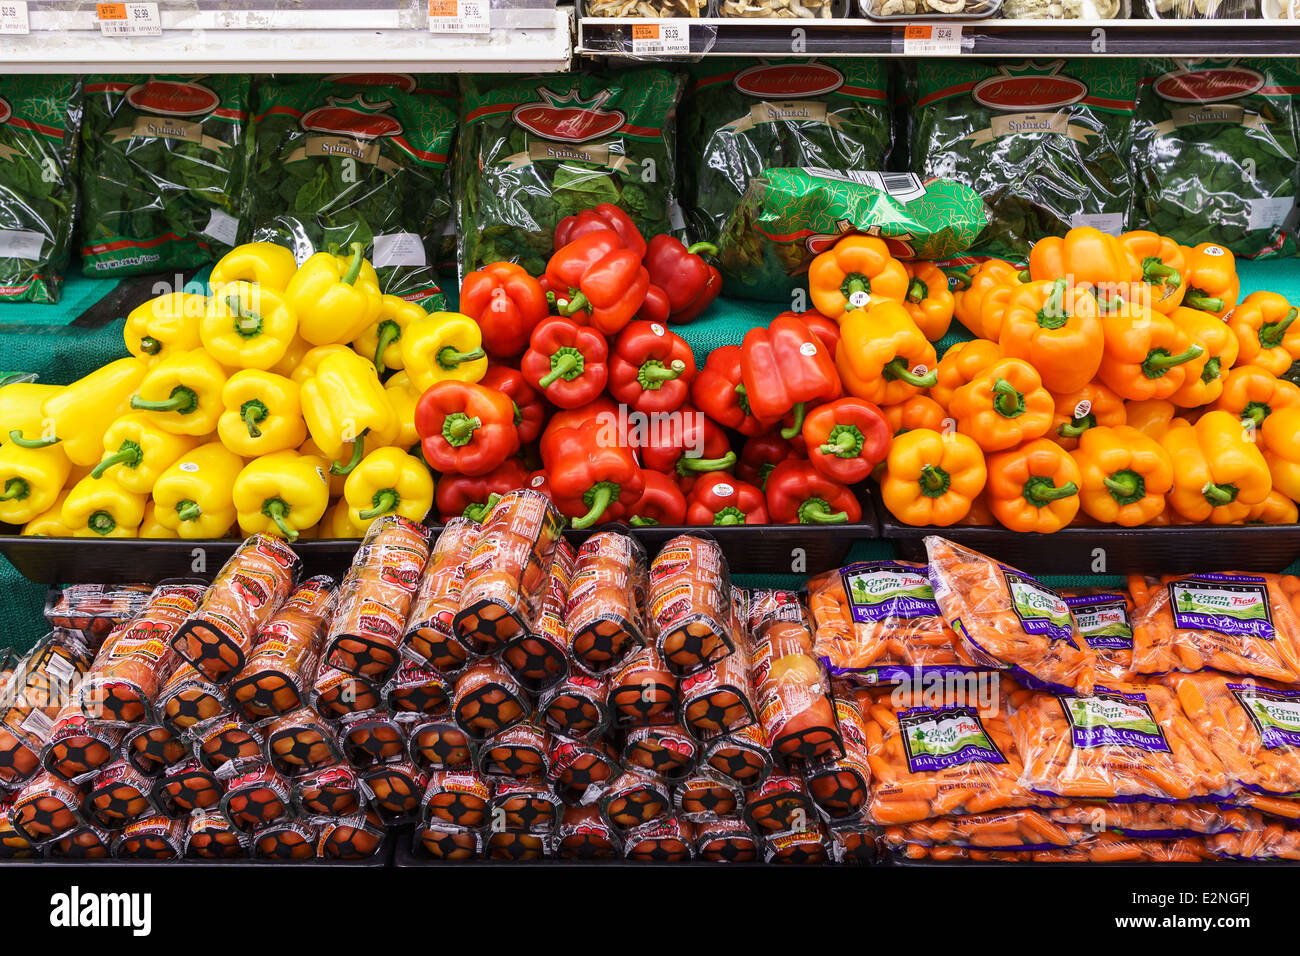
column 137, row 658
column 664, row 749
column 94, row 610
column 584, row 835
column 634, row 798
column 1272, row 841
column 249, row 588
column 256, row 797
column 329, row 792
column 805, row 847
column 117, row 795
column 286, row 841
column 668, row 839
column 229, row 743
column 705, row 795
column 335, row 694
column 84, row 842
column 743, row 756
column 791, row 686
column 507, row 573
column 358, row 837
column 1019, row 829
column 780, row 803
column 576, row 707
column 606, row 602
column 417, row 688
column 524, row 803
column 188, row 699
column 1103, row 617
column 456, row 798
column 13, row 845
column 518, row 751
column 371, row 738
column 275, row 679
column 448, row 843
column 439, row 744
column 1157, row 820
column 185, row 788
column 853, row 842
column 643, row 690
column 430, row 635
column 488, row 699
column 690, row 603
column 1234, row 623
column 839, row 786
column 300, row 742
column 77, row 748
column 47, row 807
column 1125, row 742
column 152, row 748
column 1007, row 620
column 42, row 683
column 394, row 789
column 720, row 698
column 517, row 846
column 154, row 838
column 725, row 840
column 210, row 836
column 540, row 658
column 580, row 770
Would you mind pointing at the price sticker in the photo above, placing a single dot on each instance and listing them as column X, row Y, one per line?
column 661, row 39
column 932, row 39
column 129, row 19
column 13, row 18
column 459, row 16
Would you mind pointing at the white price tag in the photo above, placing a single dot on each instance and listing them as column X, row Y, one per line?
column 661, row 39
column 13, row 18
column 932, row 39
column 20, row 244
column 222, row 227
column 1108, row 222
column 129, row 19
column 399, row 249
column 459, row 16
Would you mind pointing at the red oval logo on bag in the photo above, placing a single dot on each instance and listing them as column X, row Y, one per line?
column 1029, row 92
column 172, row 98
column 352, row 117
column 403, row 81
column 1208, row 86
column 6, row 111
column 568, row 118
column 784, row 80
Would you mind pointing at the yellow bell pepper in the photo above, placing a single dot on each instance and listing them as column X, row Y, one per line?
column 442, row 346
column 341, row 403
column 265, row 263
column 151, row 528
column 336, row 297
column 81, row 413
column 293, row 357
column 1219, row 474
column 182, row 393
column 281, row 494
column 247, row 326
column 1151, row 417
column 312, row 358
column 338, row 523
column 337, row 482
column 20, row 410
column 1203, row 383
column 388, row 481
column 932, row 478
column 49, row 523
column 164, row 326
column 101, row 508
column 263, row 414
column 136, row 450
column 30, row 480
column 403, row 397
column 882, row 356
column 194, row 497
column 382, row 342
column 1281, row 438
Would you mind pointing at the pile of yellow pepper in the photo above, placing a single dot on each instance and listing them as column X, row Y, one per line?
column 1113, row 380
column 254, row 406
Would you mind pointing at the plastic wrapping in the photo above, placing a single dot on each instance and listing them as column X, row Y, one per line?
column 656, row 9
column 394, row 789
column 903, row 9
column 664, row 749
column 704, row 796
column 447, row 843
column 371, row 738
column 1235, row 623
column 151, row 748
column 1065, row 9
column 95, row 610
column 635, row 798
column 689, row 604
column 285, row 841
column 1104, row 848
column 666, row 840
column 457, row 798
column 539, row 657
column 839, row 786
column 643, row 690
column 1273, row 841
column 488, row 699
column 336, row 694
column 439, row 744
column 246, row 592
column 779, row 804
column 47, row 807
column 118, row 794
column 301, row 742
column 358, row 837
column 188, row 699
column 605, row 612
column 1198, row 9
column 369, row 620
column 153, row 838
column 41, row 684
column 417, row 688
column 335, row 164
column 1047, row 144
column 518, row 751
column 164, row 161
column 186, row 787
column 13, row 844
column 854, row 842
column 525, row 803
column 78, row 747
column 256, row 797
column 1022, row 829
column 227, row 745
column 725, row 840
column 1103, row 618
column 1156, row 820
column 580, row 770
column 1006, row 619
column 809, row 846
column 329, row 792
column 40, row 125
column 516, row 846
column 85, row 842
column 783, row 9
column 584, row 835
column 1125, row 742
column 743, row 756
column 720, row 698
column 430, row 635
column 576, row 707
column 209, row 836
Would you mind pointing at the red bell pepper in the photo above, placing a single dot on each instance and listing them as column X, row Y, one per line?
column 762, row 453
column 783, row 368
column 687, row 443
column 661, row 503
column 827, row 330
column 473, row 496
column 656, row 306
column 507, row 303
column 596, row 275
column 540, row 483
column 717, row 391
column 593, row 472
column 530, row 410
column 604, row 216
column 466, row 429
column 797, row 493
column 847, row 438
column 718, row 498
column 650, row 368
column 690, row 283
column 566, row 362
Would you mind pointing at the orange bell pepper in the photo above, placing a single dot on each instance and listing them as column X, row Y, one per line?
column 1204, row 379
column 1145, row 353
column 882, row 356
column 1277, row 508
column 1092, row 406
column 928, row 300
column 960, row 364
column 855, row 273
column 1085, row 256
column 919, row 411
column 1151, row 417
column 1252, row 394
column 1003, row 406
column 1124, row 475
column 1054, row 326
column 1034, row 486
column 1219, row 473
column 1162, row 263
column 1267, row 331
column 932, row 478
column 981, row 279
column 1211, row 279
column 993, row 309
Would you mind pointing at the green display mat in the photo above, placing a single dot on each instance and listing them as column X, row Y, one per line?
column 47, row 340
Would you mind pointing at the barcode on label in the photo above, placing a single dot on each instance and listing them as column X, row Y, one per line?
column 660, row 39
column 940, row 39
column 128, row 19
column 459, row 16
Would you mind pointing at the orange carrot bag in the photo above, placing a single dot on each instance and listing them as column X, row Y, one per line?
column 1157, row 820
column 1020, row 829
column 1103, row 617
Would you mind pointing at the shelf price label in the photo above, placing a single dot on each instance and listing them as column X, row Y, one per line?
column 661, row 39
column 932, row 39
column 129, row 19
column 459, row 16
column 13, row 18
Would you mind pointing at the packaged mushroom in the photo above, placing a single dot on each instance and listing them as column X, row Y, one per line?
column 1199, row 9
column 792, row 9
column 654, row 9
column 895, row 9
column 1065, row 9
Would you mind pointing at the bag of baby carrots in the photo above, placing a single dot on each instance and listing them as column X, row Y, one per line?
column 1104, row 848
column 1022, row 829
column 1008, row 620
column 1280, row 807
column 1252, row 726
column 1272, row 841
column 1103, row 618
column 1156, row 820
column 1235, row 623
column 1125, row 742
column 877, row 621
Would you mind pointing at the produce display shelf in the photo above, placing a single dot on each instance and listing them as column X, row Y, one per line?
column 612, row 37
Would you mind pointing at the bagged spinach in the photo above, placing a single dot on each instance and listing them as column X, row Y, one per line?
column 40, row 119
column 164, row 163
column 343, row 160
column 536, row 149
column 1217, row 153
column 1047, row 145
column 740, row 119
column 788, row 216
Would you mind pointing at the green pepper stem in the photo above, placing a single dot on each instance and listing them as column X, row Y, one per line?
column 854, row 282
column 729, row 515
column 383, row 502
column 16, row 489
column 354, row 267
column 897, row 369
column 1040, row 490
column 128, row 454
column 449, row 358
column 252, row 412
column 1159, row 361
column 389, row 332
column 795, row 427
column 1125, row 486
column 150, row 345
column 702, row 247
column 818, row 511
column 687, row 466
column 1213, row 369
column 1219, row 494
column 101, row 522
column 1272, row 333
column 1003, row 393
column 566, row 363
column 188, row 510
column 1196, row 299
column 960, row 276
column 844, row 441
column 638, row 521
column 1076, row 426
column 278, row 511
column 1052, row 314
column 576, row 303
column 476, row 511
column 458, row 428
column 917, row 290
column 1024, row 275
column 654, row 373
column 1255, row 413
column 742, row 400
column 934, row 481
column 16, row 436
column 182, row 401
column 1155, row 272
column 358, row 446
column 244, row 328
column 601, row 495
